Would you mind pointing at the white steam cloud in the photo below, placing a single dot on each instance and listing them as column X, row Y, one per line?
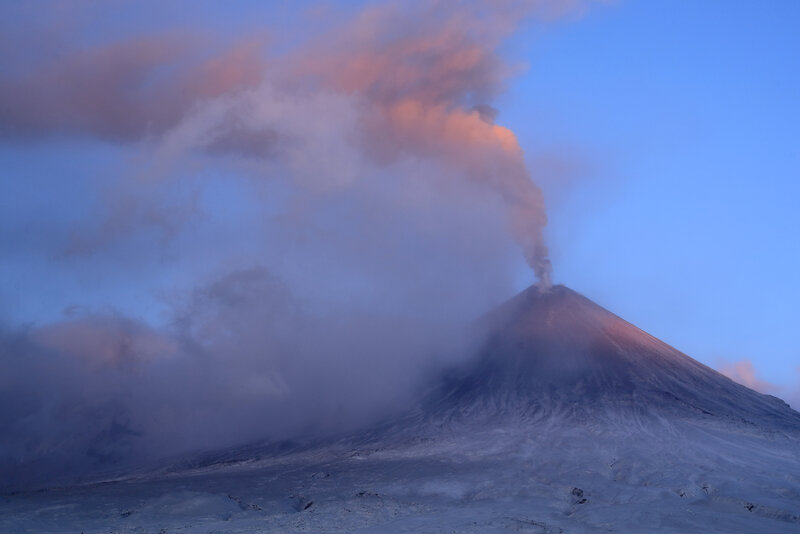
column 319, row 222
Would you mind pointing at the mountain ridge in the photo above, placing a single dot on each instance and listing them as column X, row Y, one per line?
column 556, row 350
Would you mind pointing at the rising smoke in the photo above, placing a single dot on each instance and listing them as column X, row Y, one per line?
column 319, row 221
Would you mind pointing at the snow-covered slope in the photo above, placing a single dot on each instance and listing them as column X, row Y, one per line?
column 557, row 351
column 569, row 420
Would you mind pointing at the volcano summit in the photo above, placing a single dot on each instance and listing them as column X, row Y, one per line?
column 569, row 419
column 556, row 352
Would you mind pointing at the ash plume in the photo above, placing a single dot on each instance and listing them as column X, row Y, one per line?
column 416, row 79
column 314, row 222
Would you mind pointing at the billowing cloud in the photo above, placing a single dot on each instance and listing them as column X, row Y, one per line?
column 316, row 222
column 427, row 78
column 123, row 91
column 420, row 76
column 240, row 359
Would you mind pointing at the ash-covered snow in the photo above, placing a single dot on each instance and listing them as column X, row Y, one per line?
column 571, row 420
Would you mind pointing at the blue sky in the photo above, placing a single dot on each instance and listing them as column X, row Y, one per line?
column 682, row 217
column 677, row 122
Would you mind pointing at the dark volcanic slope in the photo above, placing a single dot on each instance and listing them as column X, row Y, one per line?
column 559, row 351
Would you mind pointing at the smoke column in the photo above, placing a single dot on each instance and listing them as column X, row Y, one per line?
column 315, row 221
column 427, row 91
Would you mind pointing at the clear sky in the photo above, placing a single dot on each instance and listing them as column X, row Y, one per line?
column 683, row 216
column 663, row 134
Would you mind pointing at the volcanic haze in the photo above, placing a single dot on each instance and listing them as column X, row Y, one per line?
column 568, row 420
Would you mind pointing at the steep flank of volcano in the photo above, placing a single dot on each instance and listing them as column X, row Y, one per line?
column 558, row 351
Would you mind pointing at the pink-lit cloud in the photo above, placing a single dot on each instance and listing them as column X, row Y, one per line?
column 105, row 340
column 122, row 91
column 745, row 373
column 421, row 76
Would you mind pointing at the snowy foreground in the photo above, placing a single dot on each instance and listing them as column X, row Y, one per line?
column 495, row 480
column 571, row 420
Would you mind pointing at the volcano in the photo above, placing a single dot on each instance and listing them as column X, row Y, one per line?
column 556, row 352
column 568, row 419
